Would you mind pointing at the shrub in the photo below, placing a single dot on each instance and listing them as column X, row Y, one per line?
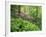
column 19, row 24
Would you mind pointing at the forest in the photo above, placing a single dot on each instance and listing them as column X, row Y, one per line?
column 26, row 18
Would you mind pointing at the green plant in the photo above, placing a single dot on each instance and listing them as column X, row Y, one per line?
column 19, row 24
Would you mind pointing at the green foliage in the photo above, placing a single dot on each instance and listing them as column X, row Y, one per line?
column 19, row 24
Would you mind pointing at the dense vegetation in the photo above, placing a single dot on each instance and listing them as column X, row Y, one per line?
column 25, row 18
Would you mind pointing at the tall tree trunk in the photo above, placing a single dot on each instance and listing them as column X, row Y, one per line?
column 19, row 8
